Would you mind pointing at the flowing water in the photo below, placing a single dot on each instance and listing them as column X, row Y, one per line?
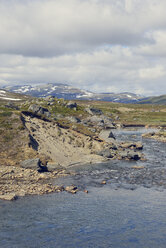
column 129, row 211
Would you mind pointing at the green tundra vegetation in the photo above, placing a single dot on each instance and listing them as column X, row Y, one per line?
column 11, row 125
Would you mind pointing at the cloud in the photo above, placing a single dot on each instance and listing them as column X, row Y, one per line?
column 51, row 28
column 100, row 45
column 116, row 69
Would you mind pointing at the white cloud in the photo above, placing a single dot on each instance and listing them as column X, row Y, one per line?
column 100, row 45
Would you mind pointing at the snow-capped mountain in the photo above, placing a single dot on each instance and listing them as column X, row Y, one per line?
column 9, row 96
column 69, row 93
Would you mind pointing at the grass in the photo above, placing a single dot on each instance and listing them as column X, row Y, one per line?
column 147, row 114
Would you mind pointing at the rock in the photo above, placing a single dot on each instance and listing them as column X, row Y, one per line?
column 36, row 109
column 73, row 119
column 107, row 135
column 52, row 166
column 34, row 164
column 93, row 111
column 105, row 153
column 72, row 105
column 103, row 182
column 49, row 98
column 8, row 197
column 130, row 155
column 134, row 155
column 138, row 167
column 71, row 189
column 31, row 163
column 130, row 145
column 95, row 120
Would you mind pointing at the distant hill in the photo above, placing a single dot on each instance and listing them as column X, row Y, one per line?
column 69, row 93
column 155, row 100
column 10, row 96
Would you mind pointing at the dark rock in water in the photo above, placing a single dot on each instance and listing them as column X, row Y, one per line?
column 131, row 145
column 34, row 164
column 105, row 153
column 71, row 189
column 72, row 105
column 94, row 111
column 130, row 155
column 134, row 155
column 36, row 109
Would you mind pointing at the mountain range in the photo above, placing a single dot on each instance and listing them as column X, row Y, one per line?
column 69, row 93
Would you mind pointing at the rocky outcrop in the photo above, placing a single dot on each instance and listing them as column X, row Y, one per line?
column 34, row 164
column 38, row 110
column 130, row 155
column 131, row 145
column 16, row 182
column 107, row 136
column 160, row 136
column 72, row 105
column 99, row 121
column 73, row 119
column 107, row 153
column 93, row 111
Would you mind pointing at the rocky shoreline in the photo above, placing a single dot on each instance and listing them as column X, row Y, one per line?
column 53, row 145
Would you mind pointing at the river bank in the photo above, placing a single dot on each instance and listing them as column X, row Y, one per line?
column 16, row 182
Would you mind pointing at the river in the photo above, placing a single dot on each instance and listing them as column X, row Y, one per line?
column 129, row 211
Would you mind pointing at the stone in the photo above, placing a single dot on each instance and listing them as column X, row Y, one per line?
column 38, row 110
column 71, row 105
column 31, row 163
column 34, row 164
column 138, row 167
column 52, row 166
column 73, row 119
column 8, row 197
column 94, row 111
column 130, row 145
column 103, row 182
column 105, row 153
column 71, row 189
column 107, row 135
column 130, row 155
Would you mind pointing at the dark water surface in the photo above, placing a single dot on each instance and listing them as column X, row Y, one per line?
column 128, row 212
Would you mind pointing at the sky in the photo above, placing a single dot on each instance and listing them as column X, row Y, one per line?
column 96, row 45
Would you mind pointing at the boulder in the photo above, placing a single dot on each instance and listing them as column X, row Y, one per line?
column 94, row 111
column 34, row 164
column 71, row 189
column 105, row 153
column 130, row 155
column 131, row 145
column 36, row 109
column 107, row 135
column 72, row 105
column 73, row 119
column 8, row 197
column 52, row 166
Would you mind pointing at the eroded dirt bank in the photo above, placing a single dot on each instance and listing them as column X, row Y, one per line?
column 63, row 146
